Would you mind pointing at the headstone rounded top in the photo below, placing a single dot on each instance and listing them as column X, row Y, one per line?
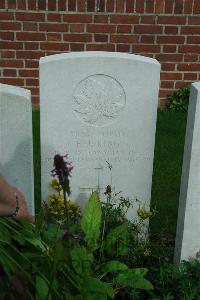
column 196, row 85
column 97, row 54
column 14, row 90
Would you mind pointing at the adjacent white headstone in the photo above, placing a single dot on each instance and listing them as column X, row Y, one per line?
column 188, row 225
column 98, row 107
column 16, row 149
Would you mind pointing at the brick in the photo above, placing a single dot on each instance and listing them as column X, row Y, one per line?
column 170, row 39
column 110, row 5
column 190, row 76
column 2, row 4
column 10, row 26
column 77, row 28
column 120, row 5
column 148, row 29
column 31, row 4
column 81, row 5
column 101, row 7
column 32, row 64
column 101, row 38
column 77, row 47
column 169, row 57
column 31, row 46
column 100, row 28
column 180, row 84
column 193, row 39
column 178, row 20
column 7, row 54
column 9, row 36
column 27, row 26
column 48, row 27
column 30, row 36
column 32, row 82
column 54, row 46
column 159, row 6
column 51, row 5
column 191, row 57
column 124, row 38
column 13, row 81
column 42, row 4
column 56, row 37
column 171, row 76
column 189, row 67
column 30, row 54
column 149, row 6
column 148, row 19
column 178, row 8
column 11, row 45
column 123, row 48
column 188, row 6
column 54, row 17
column 11, row 4
column 72, row 5
column 35, row 102
column 147, row 48
column 77, row 37
column 190, row 30
column 34, row 91
column 77, row 18
column 129, row 7
column 196, row 7
column 171, row 29
column 124, row 19
column 11, row 63
column 61, row 5
column 167, row 84
column 139, row 7
column 194, row 20
column 22, row 16
column 29, row 73
column 100, row 19
column 169, row 49
column 124, row 28
column 9, row 73
column 101, row 47
column 91, row 6
column 21, row 4
column 169, row 6
column 189, row 49
column 168, row 67
column 6, row 16
column 164, row 93
column 149, row 39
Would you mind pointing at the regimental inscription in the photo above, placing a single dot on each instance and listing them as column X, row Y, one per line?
column 99, row 99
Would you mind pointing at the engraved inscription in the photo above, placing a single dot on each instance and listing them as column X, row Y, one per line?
column 99, row 99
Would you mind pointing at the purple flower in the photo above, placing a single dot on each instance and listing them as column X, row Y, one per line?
column 62, row 169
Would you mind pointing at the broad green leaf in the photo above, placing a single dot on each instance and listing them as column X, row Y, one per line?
column 42, row 288
column 91, row 220
column 81, row 260
column 98, row 287
column 117, row 240
column 114, row 266
column 134, row 279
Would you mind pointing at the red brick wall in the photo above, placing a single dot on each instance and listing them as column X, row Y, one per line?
column 168, row 30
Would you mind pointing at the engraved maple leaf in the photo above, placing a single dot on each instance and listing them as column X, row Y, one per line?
column 98, row 99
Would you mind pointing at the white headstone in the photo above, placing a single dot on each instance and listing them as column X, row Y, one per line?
column 188, row 225
column 98, row 107
column 16, row 149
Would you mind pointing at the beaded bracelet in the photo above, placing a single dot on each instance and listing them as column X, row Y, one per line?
column 17, row 206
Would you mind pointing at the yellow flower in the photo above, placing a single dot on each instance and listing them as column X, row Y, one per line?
column 55, row 184
column 145, row 214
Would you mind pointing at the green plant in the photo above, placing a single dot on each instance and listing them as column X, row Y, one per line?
column 178, row 100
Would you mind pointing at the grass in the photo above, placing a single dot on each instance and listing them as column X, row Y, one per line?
column 167, row 168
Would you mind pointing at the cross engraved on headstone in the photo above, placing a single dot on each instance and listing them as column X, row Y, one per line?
column 98, row 186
